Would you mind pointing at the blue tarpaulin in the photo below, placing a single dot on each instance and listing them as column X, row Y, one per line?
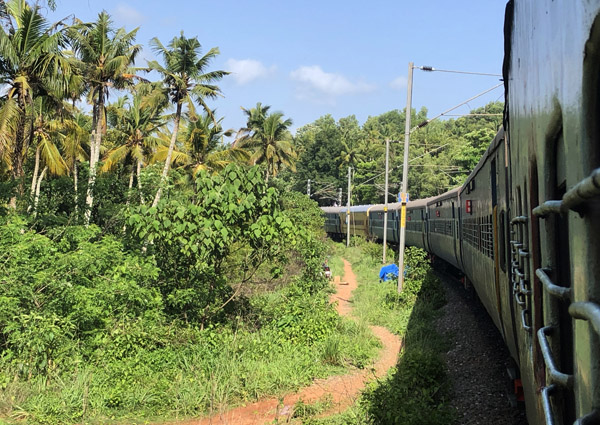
column 388, row 272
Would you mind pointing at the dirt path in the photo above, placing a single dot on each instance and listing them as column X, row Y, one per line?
column 343, row 390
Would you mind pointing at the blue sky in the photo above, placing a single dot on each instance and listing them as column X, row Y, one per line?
column 310, row 58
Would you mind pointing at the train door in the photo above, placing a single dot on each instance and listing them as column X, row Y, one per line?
column 554, row 280
column 495, row 247
column 455, row 231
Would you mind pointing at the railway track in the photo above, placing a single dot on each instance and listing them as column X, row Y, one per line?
column 477, row 359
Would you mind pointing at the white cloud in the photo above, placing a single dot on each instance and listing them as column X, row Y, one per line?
column 246, row 70
column 127, row 15
column 399, row 83
column 315, row 82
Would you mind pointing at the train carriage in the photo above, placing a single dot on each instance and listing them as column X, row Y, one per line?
column 552, row 82
column 443, row 227
column 479, row 231
column 376, row 222
column 333, row 222
column 416, row 224
column 358, row 216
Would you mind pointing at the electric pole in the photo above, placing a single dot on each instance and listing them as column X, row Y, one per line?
column 404, row 194
column 385, row 208
column 340, row 196
column 308, row 188
column 348, row 210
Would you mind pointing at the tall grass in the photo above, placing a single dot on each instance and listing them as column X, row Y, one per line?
column 211, row 371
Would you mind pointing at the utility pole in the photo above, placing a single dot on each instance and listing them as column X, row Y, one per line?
column 348, row 210
column 340, row 196
column 308, row 188
column 385, row 208
column 404, row 194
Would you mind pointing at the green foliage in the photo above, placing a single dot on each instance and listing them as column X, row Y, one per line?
column 191, row 239
column 441, row 155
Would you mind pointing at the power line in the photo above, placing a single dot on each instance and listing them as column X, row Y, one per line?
column 424, row 123
column 432, row 69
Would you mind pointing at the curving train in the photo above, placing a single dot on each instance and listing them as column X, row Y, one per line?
column 525, row 226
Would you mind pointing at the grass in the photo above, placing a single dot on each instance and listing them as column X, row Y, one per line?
column 205, row 372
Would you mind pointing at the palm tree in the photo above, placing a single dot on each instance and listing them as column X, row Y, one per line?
column 31, row 65
column 106, row 55
column 203, row 147
column 185, row 79
column 135, row 123
column 75, row 144
column 269, row 140
column 48, row 127
column 255, row 119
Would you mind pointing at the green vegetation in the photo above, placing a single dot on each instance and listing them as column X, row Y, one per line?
column 442, row 153
column 204, row 302
column 416, row 391
column 149, row 268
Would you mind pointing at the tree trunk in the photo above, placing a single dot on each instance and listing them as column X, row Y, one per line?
column 139, row 181
column 163, row 177
column 37, row 191
column 94, row 157
column 36, row 170
column 17, row 153
column 130, row 186
column 75, row 181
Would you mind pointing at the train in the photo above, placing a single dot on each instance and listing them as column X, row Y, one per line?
column 524, row 228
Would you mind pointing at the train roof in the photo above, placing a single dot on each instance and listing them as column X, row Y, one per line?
column 453, row 193
column 490, row 150
column 392, row 206
column 353, row 208
column 359, row 208
column 332, row 210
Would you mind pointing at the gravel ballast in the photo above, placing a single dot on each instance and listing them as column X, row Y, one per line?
column 477, row 361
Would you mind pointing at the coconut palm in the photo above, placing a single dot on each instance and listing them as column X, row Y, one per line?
column 31, row 65
column 270, row 142
column 254, row 121
column 106, row 55
column 48, row 128
column 203, row 146
column 135, row 123
column 75, row 146
column 186, row 79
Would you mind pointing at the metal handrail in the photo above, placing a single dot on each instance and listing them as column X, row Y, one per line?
column 557, row 377
column 586, row 189
column 587, row 311
column 524, row 314
column 552, row 288
column 522, row 219
column 589, row 419
column 546, row 393
column 547, row 208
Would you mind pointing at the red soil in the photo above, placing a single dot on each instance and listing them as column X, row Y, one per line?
column 343, row 390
